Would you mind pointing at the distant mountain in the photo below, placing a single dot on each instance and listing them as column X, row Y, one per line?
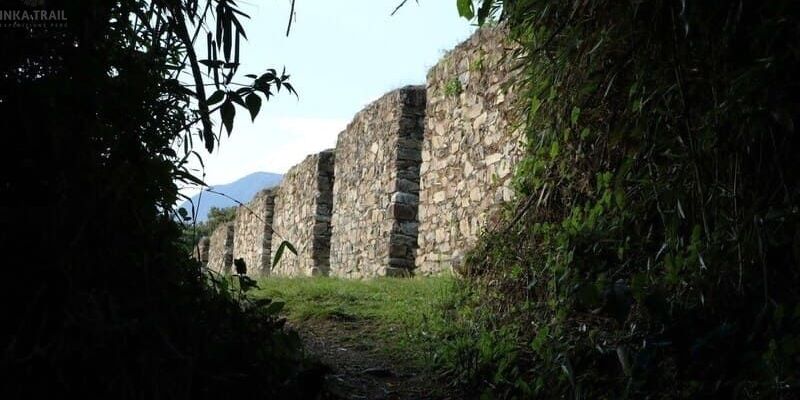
column 242, row 189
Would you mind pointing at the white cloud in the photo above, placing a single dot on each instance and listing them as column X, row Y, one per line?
column 306, row 136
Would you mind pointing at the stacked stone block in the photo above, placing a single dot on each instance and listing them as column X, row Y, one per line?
column 252, row 239
column 302, row 216
column 376, row 192
column 470, row 147
column 220, row 249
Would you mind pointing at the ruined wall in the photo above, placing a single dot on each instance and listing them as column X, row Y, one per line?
column 220, row 249
column 418, row 174
column 470, row 147
column 200, row 251
column 302, row 215
column 252, row 239
column 376, row 191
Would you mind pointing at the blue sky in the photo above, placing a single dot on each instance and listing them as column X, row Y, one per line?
column 341, row 54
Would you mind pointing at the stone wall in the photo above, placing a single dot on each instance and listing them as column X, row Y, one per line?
column 418, row 174
column 252, row 239
column 376, row 191
column 470, row 147
column 302, row 215
column 220, row 249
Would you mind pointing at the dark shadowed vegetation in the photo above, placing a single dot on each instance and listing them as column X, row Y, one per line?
column 653, row 251
column 99, row 119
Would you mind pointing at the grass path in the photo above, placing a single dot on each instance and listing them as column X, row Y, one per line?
column 372, row 334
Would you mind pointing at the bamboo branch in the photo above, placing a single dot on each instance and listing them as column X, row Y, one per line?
column 205, row 116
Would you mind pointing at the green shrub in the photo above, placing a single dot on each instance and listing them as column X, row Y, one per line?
column 654, row 249
column 478, row 63
column 453, row 87
column 475, row 354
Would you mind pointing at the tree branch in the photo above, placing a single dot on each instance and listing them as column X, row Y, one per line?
column 205, row 116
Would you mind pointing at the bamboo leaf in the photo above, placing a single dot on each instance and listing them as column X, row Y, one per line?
column 253, row 105
column 228, row 112
column 216, row 97
column 465, row 8
column 279, row 253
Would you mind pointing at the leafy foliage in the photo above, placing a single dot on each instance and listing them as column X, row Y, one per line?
column 279, row 253
column 453, row 87
column 105, row 302
column 654, row 249
column 217, row 216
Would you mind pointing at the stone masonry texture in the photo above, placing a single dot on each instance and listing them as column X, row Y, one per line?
column 419, row 173
column 376, row 192
column 302, row 216
column 470, row 147
column 252, row 239
column 220, row 249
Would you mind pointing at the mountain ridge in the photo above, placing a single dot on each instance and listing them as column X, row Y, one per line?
column 242, row 189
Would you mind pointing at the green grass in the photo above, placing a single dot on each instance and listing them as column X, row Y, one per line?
column 396, row 314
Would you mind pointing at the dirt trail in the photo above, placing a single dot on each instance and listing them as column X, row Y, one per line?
column 360, row 370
